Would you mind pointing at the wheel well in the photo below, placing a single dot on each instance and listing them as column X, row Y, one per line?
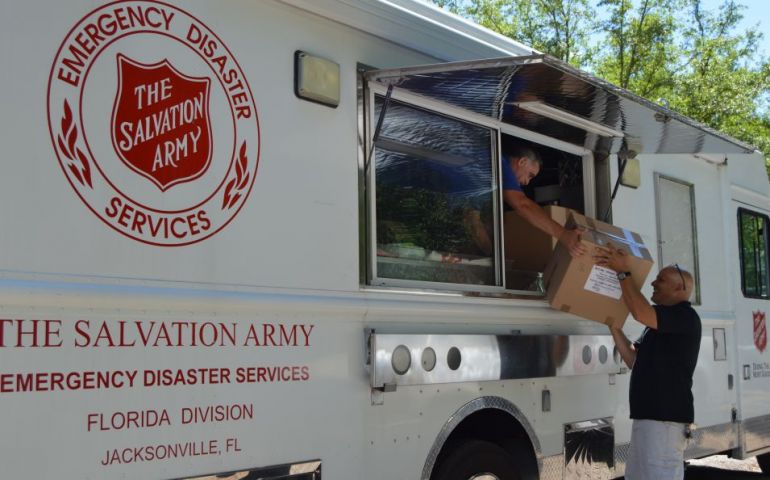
column 501, row 428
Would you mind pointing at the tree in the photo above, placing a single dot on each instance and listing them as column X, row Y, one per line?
column 639, row 45
column 562, row 28
column 673, row 51
column 720, row 81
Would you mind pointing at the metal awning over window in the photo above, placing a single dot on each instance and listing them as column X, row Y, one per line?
column 542, row 94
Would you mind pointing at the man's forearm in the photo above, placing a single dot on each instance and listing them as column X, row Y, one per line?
column 535, row 216
column 637, row 305
column 623, row 344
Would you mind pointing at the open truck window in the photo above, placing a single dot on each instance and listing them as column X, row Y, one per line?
column 451, row 121
column 436, row 214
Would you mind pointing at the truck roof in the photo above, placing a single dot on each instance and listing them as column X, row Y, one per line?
column 418, row 25
column 447, row 37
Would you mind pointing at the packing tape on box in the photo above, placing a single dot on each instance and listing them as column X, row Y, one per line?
column 628, row 238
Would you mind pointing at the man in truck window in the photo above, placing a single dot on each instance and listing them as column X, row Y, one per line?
column 519, row 166
column 662, row 363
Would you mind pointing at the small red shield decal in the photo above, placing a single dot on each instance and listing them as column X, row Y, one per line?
column 160, row 122
column 760, row 331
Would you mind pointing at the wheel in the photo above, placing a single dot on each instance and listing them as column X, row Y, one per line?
column 477, row 460
column 764, row 462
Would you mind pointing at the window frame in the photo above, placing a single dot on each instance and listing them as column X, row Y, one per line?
column 377, row 281
column 693, row 215
column 766, row 219
column 367, row 172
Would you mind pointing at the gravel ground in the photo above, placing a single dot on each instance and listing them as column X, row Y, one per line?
column 726, row 463
column 720, row 467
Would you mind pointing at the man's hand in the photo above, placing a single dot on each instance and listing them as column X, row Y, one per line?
column 612, row 258
column 572, row 240
column 619, row 261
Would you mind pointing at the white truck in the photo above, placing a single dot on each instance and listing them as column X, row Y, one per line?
column 234, row 244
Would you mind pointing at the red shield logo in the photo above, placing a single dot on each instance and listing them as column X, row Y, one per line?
column 760, row 331
column 160, row 122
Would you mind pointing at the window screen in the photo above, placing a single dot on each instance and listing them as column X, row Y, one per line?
column 435, row 203
column 752, row 231
column 677, row 239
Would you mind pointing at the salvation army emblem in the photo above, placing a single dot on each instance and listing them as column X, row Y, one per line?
column 153, row 122
column 760, row 331
column 160, row 125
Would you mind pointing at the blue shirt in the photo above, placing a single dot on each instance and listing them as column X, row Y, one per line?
column 510, row 182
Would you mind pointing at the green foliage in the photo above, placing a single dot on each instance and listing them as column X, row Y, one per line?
column 672, row 51
column 639, row 45
column 560, row 27
column 421, row 218
column 721, row 81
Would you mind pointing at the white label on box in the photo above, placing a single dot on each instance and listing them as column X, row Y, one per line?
column 605, row 282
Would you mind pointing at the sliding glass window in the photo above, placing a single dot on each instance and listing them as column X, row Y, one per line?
column 436, row 198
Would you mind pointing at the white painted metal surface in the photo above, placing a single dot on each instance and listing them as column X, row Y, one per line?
column 267, row 311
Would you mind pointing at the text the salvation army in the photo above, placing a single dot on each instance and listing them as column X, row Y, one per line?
column 167, row 120
column 50, row 333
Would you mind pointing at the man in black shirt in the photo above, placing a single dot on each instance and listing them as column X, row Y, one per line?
column 662, row 362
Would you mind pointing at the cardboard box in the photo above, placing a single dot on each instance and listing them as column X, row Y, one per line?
column 526, row 247
column 579, row 286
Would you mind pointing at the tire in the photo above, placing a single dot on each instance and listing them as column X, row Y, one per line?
column 473, row 459
column 764, row 462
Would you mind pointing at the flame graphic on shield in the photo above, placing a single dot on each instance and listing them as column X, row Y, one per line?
column 160, row 122
column 760, row 331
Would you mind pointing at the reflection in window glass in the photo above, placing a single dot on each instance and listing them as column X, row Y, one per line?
column 435, row 198
column 753, row 238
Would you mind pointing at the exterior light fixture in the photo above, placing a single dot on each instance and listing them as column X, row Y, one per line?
column 628, row 165
column 568, row 118
column 316, row 79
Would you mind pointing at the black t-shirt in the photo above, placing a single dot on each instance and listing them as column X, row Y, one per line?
column 661, row 379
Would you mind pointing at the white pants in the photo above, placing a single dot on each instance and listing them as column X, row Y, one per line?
column 657, row 451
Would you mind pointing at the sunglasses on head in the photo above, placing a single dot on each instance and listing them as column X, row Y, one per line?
column 681, row 275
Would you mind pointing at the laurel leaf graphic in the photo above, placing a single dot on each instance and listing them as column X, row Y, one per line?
column 228, row 188
column 242, row 155
column 66, row 120
column 244, row 181
column 238, row 170
column 86, row 167
column 72, row 137
column 239, row 182
column 75, row 172
column 234, row 200
column 63, row 148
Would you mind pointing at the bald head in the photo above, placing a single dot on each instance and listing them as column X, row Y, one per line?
column 684, row 277
column 672, row 285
